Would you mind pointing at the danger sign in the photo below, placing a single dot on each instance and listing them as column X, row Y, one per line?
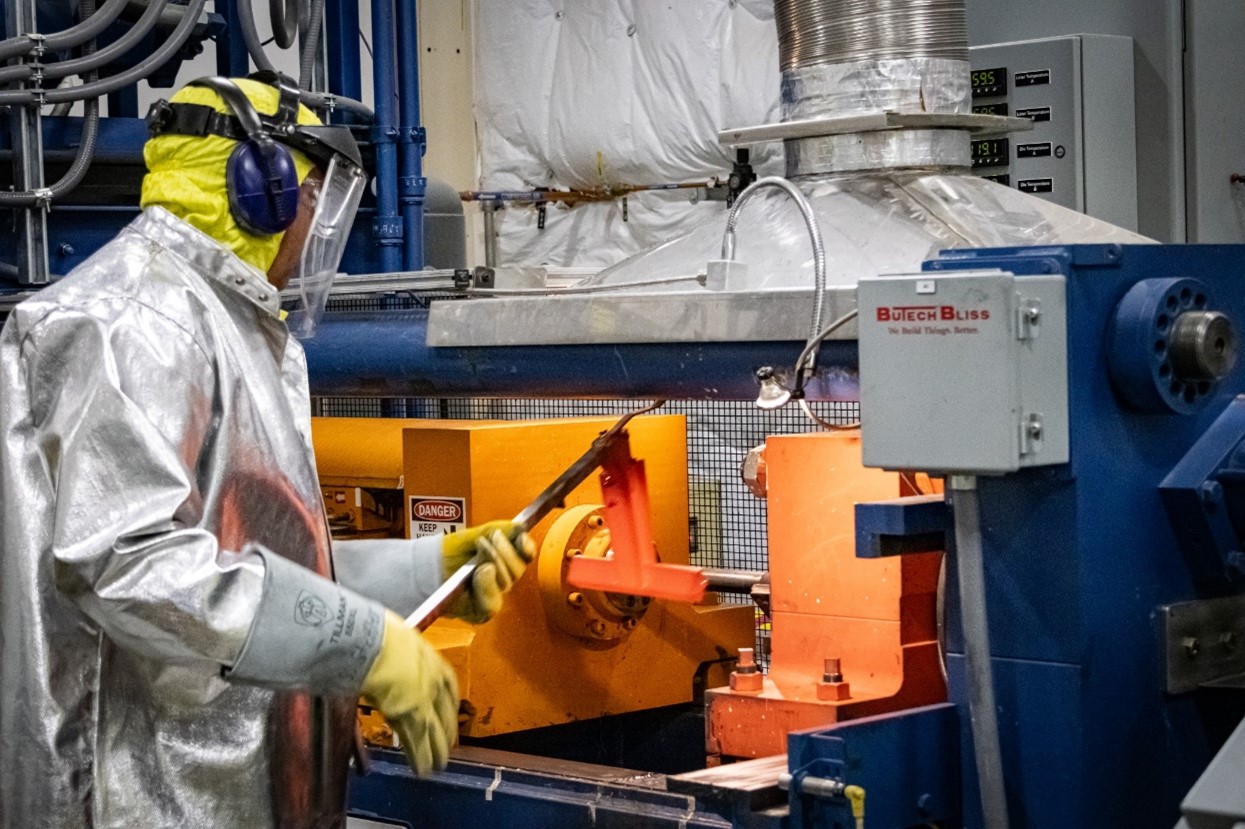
column 437, row 515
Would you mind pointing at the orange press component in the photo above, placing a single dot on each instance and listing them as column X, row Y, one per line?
column 633, row 568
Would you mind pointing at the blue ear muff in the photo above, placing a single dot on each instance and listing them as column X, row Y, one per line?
column 263, row 187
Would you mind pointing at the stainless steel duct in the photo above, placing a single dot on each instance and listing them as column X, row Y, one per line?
column 851, row 57
column 812, row 32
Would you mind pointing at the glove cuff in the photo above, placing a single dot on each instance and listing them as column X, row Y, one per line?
column 309, row 633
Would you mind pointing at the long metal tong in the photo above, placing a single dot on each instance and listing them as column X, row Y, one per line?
column 550, row 499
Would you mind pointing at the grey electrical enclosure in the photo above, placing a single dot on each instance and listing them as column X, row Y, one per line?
column 1078, row 90
column 964, row 373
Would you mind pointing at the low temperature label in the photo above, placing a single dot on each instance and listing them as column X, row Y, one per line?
column 436, row 515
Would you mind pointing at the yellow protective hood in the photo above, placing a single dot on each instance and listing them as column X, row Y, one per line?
column 186, row 174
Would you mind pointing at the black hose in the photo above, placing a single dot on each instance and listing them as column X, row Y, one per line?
column 86, row 63
column 176, row 40
column 315, row 100
column 308, row 59
column 89, row 29
column 250, row 36
column 86, row 143
column 320, row 100
column 79, row 33
column 284, row 17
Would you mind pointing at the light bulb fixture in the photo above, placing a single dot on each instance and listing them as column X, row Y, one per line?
column 773, row 394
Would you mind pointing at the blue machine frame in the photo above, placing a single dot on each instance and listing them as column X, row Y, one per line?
column 388, row 235
column 1079, row 558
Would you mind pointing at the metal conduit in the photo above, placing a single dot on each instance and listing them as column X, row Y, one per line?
column 812, row 32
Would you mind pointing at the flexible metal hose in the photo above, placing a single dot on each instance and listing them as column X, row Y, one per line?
column 86, row 144
column 814, row 32
column 284, row 17
column 315, row 100
column 250, row 36
column 176, row 40
column 981, row 706
column 814, row 235
column 75, row 35
column 307, row 60
column 75, row 66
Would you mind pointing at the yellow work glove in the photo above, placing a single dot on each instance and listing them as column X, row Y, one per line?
column 417, row 693
column 506, row 552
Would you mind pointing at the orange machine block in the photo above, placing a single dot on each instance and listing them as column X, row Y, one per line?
column 875, row 616
column 531, row 666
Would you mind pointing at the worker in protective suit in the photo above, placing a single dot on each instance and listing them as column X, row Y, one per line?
column 174, row 651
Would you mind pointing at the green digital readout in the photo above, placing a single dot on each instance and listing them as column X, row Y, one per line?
column 987, row 82
column 990, row 109
column 990, row 152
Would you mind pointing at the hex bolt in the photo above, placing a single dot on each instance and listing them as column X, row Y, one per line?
column 833, row 671
column 747, row 661
column 1192, row 647
column 630, row 622
column 597, row 627
column 1033, row 315
column 1035, row 430
column 1227, row 640
column 595, row 522
column 575, row 599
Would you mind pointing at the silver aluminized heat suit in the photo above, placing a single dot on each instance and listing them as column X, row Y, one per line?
column 168, row 655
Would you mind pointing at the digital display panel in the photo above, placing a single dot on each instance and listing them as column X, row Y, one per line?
column 987, row 82
column 990, row 109
column 990, row 152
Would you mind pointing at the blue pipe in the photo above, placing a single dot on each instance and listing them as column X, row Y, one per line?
column 412, row 185
column 341, row 19
column 232, row 60
column 387, row 226
column 384, row 354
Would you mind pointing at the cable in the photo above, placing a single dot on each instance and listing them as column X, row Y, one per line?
column 825, row 424
column 808, row 355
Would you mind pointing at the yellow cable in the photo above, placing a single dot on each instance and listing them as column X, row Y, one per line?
column 856, row 796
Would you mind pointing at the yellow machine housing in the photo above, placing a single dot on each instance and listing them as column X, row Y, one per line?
column 554, row 654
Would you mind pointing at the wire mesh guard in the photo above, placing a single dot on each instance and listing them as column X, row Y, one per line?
column 727, row 523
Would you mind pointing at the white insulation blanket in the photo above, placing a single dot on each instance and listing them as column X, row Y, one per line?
column 593, row 93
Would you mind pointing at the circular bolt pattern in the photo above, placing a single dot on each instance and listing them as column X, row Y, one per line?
column 1169, row 347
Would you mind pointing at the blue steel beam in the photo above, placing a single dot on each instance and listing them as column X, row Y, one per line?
column 487, row 794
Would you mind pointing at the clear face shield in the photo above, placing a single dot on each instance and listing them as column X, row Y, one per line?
column 336, row 205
